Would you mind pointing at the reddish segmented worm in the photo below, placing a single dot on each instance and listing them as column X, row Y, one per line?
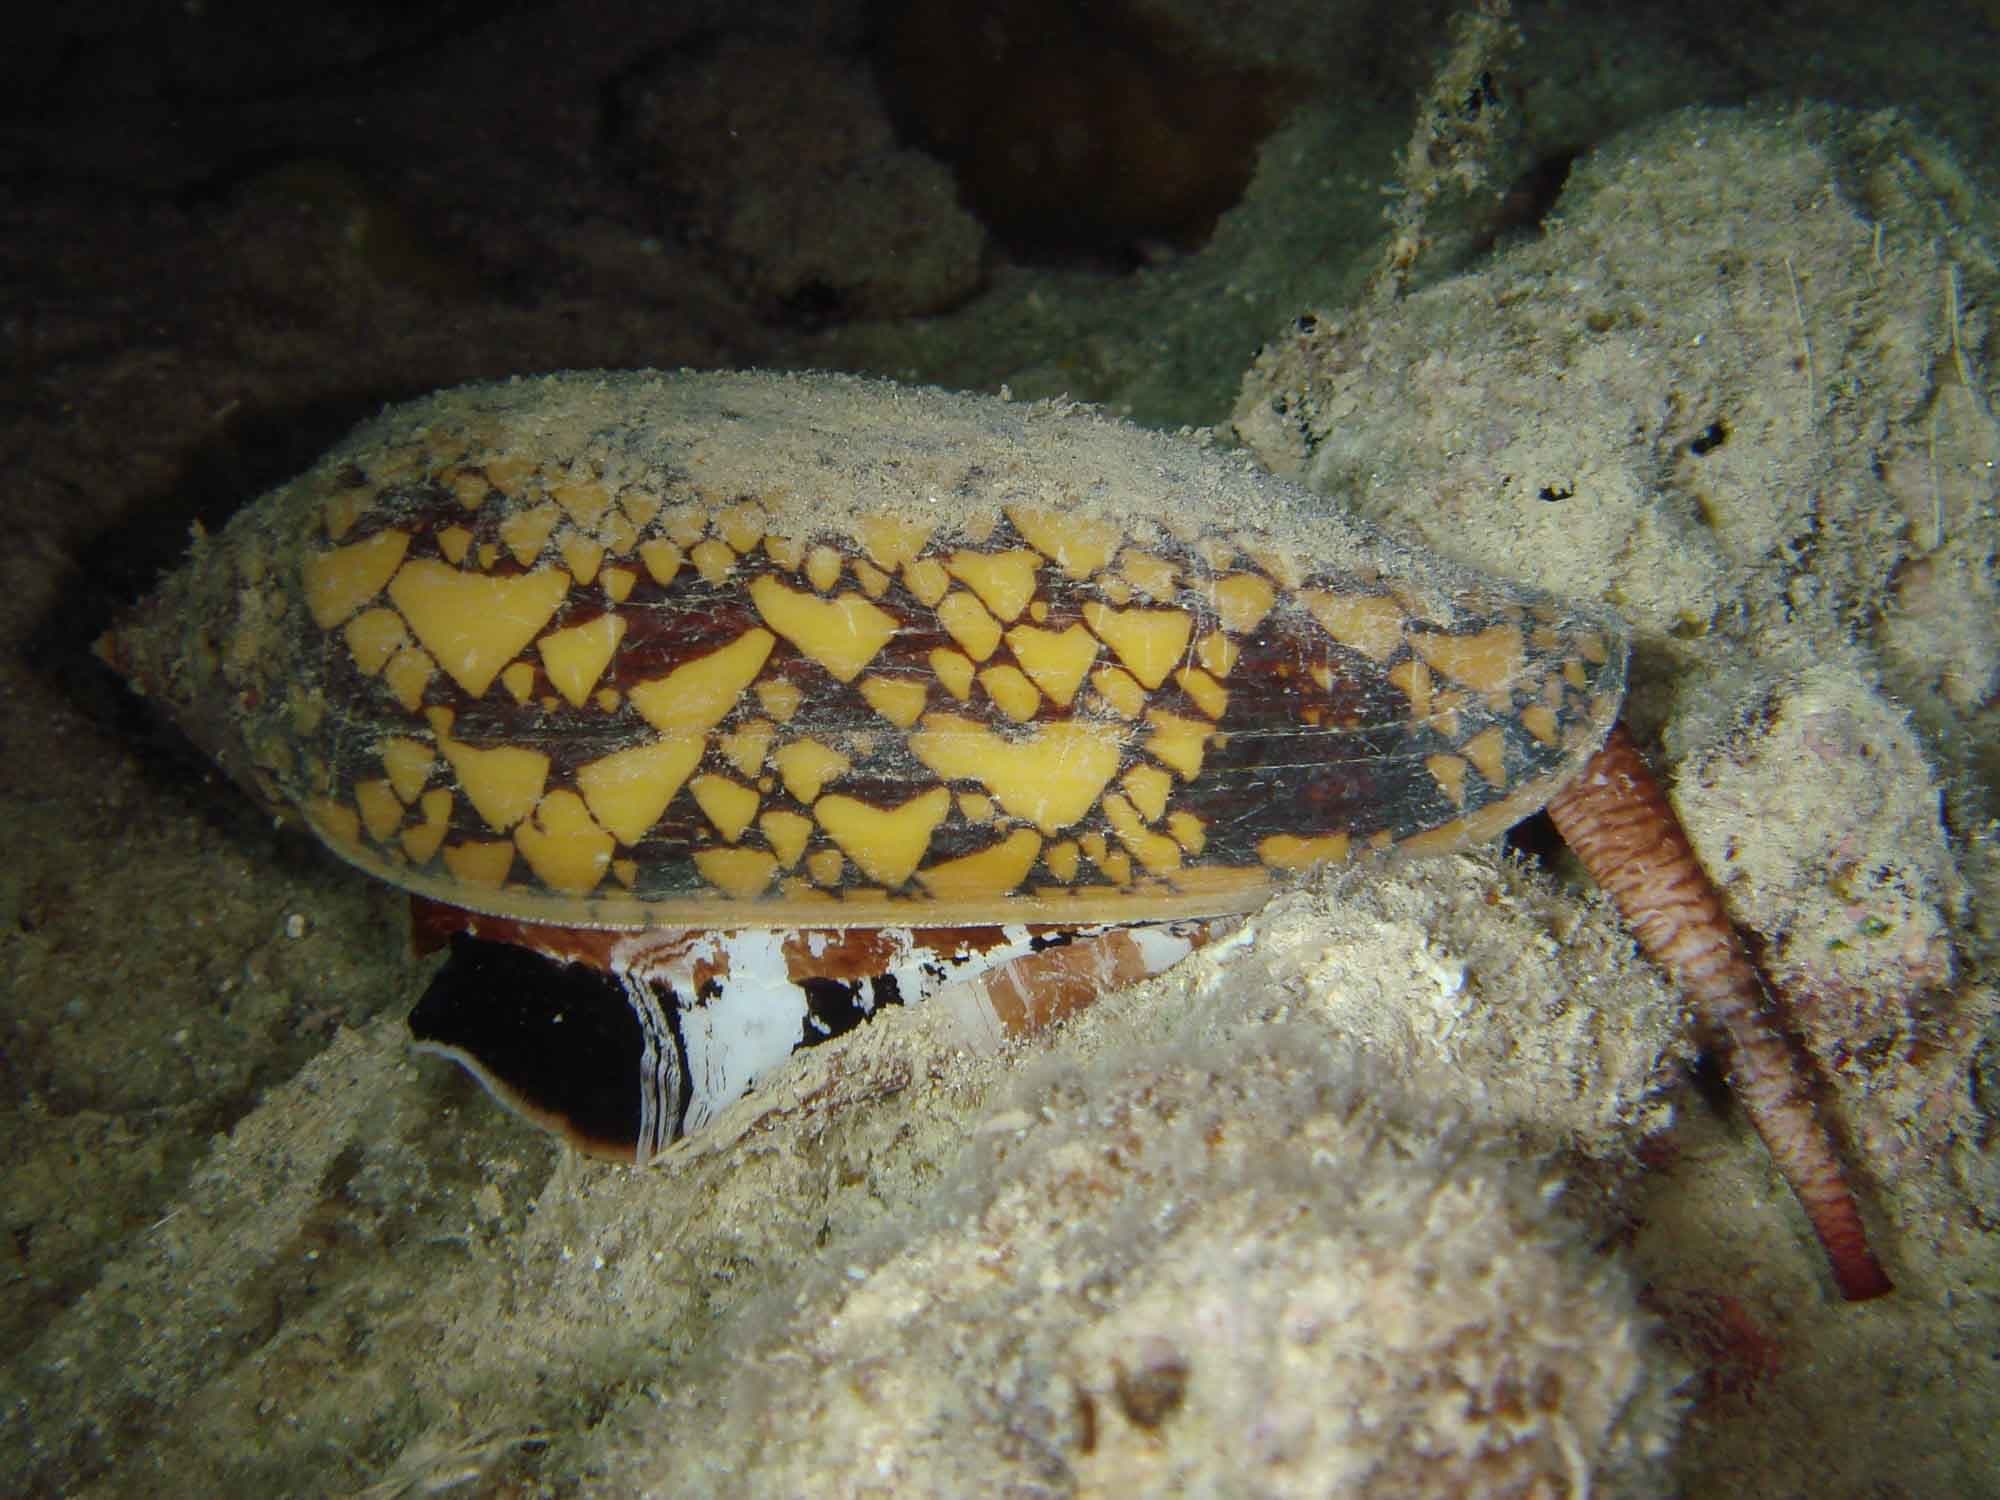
column 1616, row 817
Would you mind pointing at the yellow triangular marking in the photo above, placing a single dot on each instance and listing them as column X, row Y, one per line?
column 730, row 805
column 746, row 748
column 1242, row 600
column 381, row 813
column 576, row 657
column 1487, row 750
column 741, row 873
column 788, row 832
column 526, row 532
column 408, row 763
column 712, row 559
column 1208, row 695
column 969, row 623
column 1217, row 652
column 1004, row 581
column 891, row 541
column 563, row 846
column 954, row 670
column 1487, row 662
column 1150, row 642
column 697, row 695
column 1055, row 660
column 373, row 636
column 662, row 559
column 503, row 783
column 586, row 500
column 927, row 579
column 1076, row 545
column 1159, row 854
column 993, row 871
column 742, row 526
column 780, row 698
column 407, row 675
column 887, row 843
column 808, row 765
column 581, row 554
column 1177, row 740
column 472, row 624
column 1050, row 778
column 341, row 581
column 518, row 678
column 1149, row 573
column 841, row 634
column 823, row 567
column 1120, row 693
column 483, row 863
column 629, row 789
column 1148, row 787
column 1011, row 691
column 900, row 700
column 421, row 842
column 1369, row 623
column 788, row 552
column 640, row 506
column 1062, row 858
column 618, row 534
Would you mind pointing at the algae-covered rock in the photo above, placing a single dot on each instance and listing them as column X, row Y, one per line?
column 1251, row 1274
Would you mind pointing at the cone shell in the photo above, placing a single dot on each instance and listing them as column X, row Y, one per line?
column 627, row 650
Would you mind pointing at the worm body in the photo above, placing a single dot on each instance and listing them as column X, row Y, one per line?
column 1615, row 815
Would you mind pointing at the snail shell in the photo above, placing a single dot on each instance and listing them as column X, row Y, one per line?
column 755, row 651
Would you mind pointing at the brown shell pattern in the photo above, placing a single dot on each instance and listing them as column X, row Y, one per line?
column 629, row 650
